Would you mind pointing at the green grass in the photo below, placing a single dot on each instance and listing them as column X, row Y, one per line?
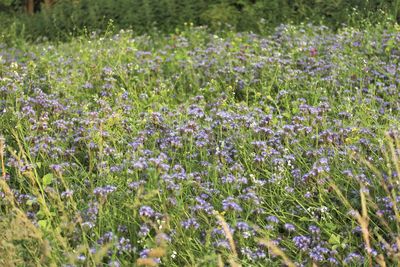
column 227, row 129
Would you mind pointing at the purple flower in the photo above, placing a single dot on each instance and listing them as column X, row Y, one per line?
column 106, row 238
column 144, row 230
column 190, row 223
column 124, row 245
column 314, row 229
column 222, row 244
column 353, row 257
column 144, row 253
column 114, row 264
column 136, row 185
column 317, row 253
column 242, row 226
column 87, row 225
column 104, row 191
column 290, row 227
column 146, row 211
column 270, row 227
column 302, row 242
column 230, row 204
column 272, row 219
column 67, row 194
column 333, row 261
column 202, row 205
column 81, row 258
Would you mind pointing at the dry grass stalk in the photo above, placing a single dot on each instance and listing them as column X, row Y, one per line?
column 2, row 147
column 157, row 253
column 228, row 234
column 146, row 262
column 220, row 261
column 381, row 260
column 277, row 251
column 364, row 221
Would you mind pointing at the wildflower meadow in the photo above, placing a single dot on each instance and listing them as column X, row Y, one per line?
column 200, row 148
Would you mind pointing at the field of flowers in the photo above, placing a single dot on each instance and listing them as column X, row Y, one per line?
column 200, row 149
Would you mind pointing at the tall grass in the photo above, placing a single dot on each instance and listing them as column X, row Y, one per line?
column 200, row 148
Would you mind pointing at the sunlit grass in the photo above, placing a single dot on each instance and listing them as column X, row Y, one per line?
column 202, row 149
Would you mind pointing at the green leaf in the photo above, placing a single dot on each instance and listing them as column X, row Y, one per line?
column 47, row 179
column 43, row 224
column 30, row 202
column 330, row 226
column 6, row 2
column 304, row 219
column 41, row 214
column 334, row 239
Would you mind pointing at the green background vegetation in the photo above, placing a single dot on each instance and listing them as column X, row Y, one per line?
column 321, row 101
column 72, row 17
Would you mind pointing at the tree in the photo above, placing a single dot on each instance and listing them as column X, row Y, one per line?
column 7, row 5
column 32, row 6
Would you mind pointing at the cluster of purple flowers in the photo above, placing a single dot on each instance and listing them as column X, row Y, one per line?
column 246, row 126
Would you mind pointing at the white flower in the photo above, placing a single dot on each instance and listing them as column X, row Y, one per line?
column 173, row 255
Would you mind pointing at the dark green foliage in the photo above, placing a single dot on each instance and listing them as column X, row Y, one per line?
column 72, row 16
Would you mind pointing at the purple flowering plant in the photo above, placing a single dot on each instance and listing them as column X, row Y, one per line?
column 193, row 148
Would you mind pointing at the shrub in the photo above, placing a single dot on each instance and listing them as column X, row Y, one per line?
column 72, row 17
